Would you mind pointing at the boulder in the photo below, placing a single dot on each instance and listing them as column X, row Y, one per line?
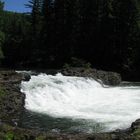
column 108, row 78
column 135, row 125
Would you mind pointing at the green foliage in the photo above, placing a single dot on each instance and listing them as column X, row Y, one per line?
column 40, row 138
column 7, row 128
column 76, row 62
column 16, row 29
column 105, row 33
column 1, row 5
column 9, row 136
column 136, row 134
column 35, row 5
column 127, row 30
column 2, row 93
column 2, row 38
column 1, row 54
column 66, row 66
column 87, row 65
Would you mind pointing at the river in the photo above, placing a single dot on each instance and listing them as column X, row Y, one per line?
column 78, row 105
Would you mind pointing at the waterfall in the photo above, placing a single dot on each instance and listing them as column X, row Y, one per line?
column 82, row 98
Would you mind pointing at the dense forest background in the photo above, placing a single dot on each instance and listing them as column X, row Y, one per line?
column 103, row 34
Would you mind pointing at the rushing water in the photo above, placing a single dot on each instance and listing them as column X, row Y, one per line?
column 76, row 104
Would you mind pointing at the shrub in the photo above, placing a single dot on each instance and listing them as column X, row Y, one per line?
column 9, row 136
column 76, row 62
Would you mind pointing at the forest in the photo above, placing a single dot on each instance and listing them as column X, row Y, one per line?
column 103, row 34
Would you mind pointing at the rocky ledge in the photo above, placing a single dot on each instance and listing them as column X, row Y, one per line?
column 11, row 100
column 108, row 78
column 12, row 107
column 104, row 77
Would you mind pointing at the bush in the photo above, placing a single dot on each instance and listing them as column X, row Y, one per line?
column 9, row 136
column 76, row 62
column 66, row 66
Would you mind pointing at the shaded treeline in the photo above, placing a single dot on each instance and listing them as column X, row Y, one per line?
column 105, row 33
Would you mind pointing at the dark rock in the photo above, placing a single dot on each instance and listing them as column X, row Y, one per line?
column 26, row 76
column 108, row 78
column 12, row 100
column 135, row 125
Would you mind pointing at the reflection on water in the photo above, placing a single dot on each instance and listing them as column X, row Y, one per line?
column 38, row 121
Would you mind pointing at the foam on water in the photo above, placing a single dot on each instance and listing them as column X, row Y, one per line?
column 82, row 98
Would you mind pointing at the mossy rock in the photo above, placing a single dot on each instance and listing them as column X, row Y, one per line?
column 2, row 136
column 136, row 134
column 40, row 138
column 2, row 92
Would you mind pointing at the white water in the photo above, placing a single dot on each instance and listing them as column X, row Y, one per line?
column 81, row 98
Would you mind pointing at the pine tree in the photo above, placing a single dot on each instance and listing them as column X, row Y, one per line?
column 48, row 20
column 2, row 35
column 1, row 5
column 126, row 31
column 35, row 5
column 105, row 32
column 67, row 23
column 88, row 29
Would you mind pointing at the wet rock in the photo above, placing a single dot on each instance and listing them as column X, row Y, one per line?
column 26, row 76
column 11, row 99
column 108, row 78
column 135, row 125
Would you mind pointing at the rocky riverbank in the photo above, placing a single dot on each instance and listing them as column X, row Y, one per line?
column 12, row 107
column 11, row 100
column 8, row 132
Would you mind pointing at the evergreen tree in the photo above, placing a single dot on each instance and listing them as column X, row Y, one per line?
column 66, row 18
column 2, row 35
column 47, row 33
column 89, row 29
column 35, row 5
column 126, row 31
column 1, row 5
column 105, row 33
